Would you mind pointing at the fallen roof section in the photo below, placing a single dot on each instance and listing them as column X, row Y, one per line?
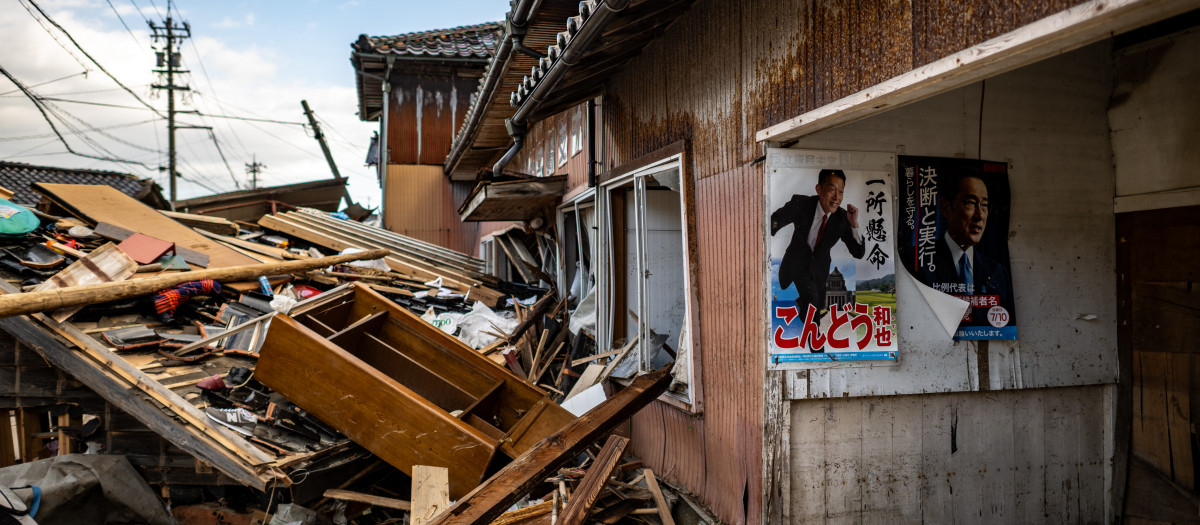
column 249, row 205
column 415, row 259
column 517, row 200
column 101, row 204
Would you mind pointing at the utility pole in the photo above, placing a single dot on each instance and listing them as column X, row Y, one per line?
column 170, row 33
column 253, row 169
column 312, row 121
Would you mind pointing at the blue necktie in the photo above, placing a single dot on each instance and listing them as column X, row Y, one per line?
column 964, row 271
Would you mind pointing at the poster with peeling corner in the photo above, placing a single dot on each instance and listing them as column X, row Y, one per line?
column 829, row 246
column 954, row 238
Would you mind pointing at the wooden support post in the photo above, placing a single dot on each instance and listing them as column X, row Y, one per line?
column 8, row 449
column 430, row 493
column 29, row 424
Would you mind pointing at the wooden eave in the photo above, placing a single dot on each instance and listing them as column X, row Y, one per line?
column 623, row 38
column 487, row 140
column 512, row 201
column 370, row 85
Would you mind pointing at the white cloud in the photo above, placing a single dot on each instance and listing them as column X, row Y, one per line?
column 247, row 82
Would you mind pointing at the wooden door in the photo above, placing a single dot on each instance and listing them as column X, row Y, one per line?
column 1159, row 314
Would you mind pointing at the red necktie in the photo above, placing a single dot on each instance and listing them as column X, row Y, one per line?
column 820, row 231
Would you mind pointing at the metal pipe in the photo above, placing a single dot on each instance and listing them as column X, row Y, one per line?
column 517, row 20
column 591, row 145
column 518, row 141
column 575, row 49
column 383, row 140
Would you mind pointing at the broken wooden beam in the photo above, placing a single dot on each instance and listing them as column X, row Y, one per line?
column 510, row 484
column 593, row 482
column 369, row 499
column 41, row 301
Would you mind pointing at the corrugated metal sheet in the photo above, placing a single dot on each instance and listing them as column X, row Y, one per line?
column 437, row 103
column 422, row 203
column 718, row 455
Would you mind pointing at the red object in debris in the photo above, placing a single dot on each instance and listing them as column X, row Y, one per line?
column 145, row 249
column 305, row 291
column 211, row 383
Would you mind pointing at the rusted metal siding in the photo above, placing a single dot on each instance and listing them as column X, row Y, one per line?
column 422, row 203
column 722, row 71
column 425, row 110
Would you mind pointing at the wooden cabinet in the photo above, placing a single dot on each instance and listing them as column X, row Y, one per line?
column 402, row 389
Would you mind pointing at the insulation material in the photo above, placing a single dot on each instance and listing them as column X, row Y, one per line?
column 480, row 319
column 105, row 488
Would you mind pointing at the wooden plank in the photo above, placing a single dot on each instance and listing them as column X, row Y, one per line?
column 513, row 255
column 514, row 481
column 664, row 512
column 261, row 249
column 1155, row 443
column 1053, row 35
column 207, row 223
column 369, row 499
column 98, row 204
column 1154, row 496
column 430, row 493
column 590, row 375
column 1179, row 418
column 588, row 489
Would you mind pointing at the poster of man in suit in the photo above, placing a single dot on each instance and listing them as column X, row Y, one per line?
column 830, row 257
column 954, row 238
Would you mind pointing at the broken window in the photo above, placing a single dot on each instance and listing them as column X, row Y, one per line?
column 642, row 273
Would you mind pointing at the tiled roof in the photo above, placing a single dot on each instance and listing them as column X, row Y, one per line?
column 475, row 41
column 18, row 177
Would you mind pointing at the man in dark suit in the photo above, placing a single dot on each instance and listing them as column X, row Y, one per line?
column 958, row 266
column 819, row 225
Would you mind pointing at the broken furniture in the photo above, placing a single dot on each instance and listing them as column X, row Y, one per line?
column 403, row 389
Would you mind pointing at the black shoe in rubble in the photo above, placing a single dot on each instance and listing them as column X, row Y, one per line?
column 239, row 419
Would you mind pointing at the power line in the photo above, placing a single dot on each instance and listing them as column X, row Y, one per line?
column 42, row 109
column 46, row 82
column 51, row 33
column 94, row 61
column 267, row 120
column 127, row 30
column 222, row 154
column 51, row 135
column 90, row 103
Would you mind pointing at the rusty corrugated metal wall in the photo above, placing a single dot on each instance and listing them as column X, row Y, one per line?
column 723, row 71
column 424, row 113
column 422, row 203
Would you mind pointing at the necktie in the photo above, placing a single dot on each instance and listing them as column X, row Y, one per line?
column 820, row 231
column 964, row 271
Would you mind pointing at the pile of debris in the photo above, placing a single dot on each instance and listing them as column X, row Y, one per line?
column 315, row 366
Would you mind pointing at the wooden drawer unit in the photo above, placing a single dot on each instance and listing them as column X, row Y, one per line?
column 403, row 389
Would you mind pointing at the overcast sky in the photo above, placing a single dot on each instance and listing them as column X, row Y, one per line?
column 247, row 59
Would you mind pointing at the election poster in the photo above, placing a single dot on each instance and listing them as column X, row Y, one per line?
column 830, row 274
column 953, row 237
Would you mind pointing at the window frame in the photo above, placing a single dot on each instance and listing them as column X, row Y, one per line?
column 670, row 158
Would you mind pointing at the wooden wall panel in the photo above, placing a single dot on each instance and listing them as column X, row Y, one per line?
column 1015, row 457
column 421, row 202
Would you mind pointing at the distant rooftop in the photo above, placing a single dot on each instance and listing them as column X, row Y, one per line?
column 18, row 177
column 475, row 41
